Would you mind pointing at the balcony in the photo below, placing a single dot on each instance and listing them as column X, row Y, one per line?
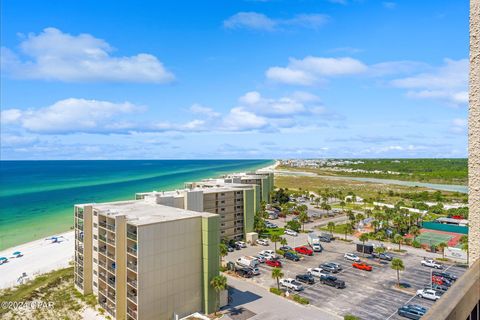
column 111, row 241
column 132, row 235
column 462, row 300
column 111, row 281
column 132, row 265
column 102, row 237
column 109, row 307
column 79, row 283
column 107, row 226
column 132, row 295
column 132, row 282
column 111, row 267
column 132, row 313
column 132, row 250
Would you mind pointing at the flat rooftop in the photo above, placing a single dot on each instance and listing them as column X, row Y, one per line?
column 140, row 212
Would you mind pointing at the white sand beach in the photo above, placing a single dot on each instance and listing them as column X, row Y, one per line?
column 39, row 256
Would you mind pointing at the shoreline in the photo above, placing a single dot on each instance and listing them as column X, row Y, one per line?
column 41, row 256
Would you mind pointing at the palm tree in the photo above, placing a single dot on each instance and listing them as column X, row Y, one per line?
column 363, row 238
column 277, row 274
column 347, row 229
column 223, row 250
column 415, row 232
column 397, row 264
column 398, row 239
column 303, row 218
column 342, row 204
column 218, row 283
column 442, row 246
column 283, row 241
column 275, row 238
column 331, row 227
column 375, row 224
column 379, row 250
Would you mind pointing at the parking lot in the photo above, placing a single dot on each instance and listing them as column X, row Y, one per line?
column 368, row 295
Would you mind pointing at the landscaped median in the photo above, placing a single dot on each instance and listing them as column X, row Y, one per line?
column 295, row 297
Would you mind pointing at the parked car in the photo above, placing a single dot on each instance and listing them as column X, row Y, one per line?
column 305, row 278
column 439, row 288
column 291, row 232
column 450, row 277
column 260, row 258
column 441, row 281
column 362, row 266
column 382, row 256
column 318, row 272
column 230, row 249
column 412, row 311
column 429, row 294
column 247, row 261
column 255, row 271
column 331, row 266
column 286, row 248
column 244, row 272
column 324, row 239
column 291, row 256
column 351, row 257
column 273, row 263
column 268, row 254
column 432, row 264
column 304, row 250
column 332, row 281
column 241, row 244
column 262, row 242
column 291, row 284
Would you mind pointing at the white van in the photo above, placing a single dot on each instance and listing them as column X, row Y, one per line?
column 249, row 262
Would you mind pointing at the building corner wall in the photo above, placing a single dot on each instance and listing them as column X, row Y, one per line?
column 211, row 260
column 248, row 210
column 121, row 267
column 474, row 134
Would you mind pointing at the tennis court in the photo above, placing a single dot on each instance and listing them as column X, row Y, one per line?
column 433, row 238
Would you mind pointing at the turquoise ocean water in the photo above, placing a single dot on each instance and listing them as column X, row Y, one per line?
column 37, row 197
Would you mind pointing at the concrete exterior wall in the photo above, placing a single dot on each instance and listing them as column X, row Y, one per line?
column 170, row 269
column 194, row 201
column 211, row 260
column 474, row 134
column 248, row 210
column 121, row 268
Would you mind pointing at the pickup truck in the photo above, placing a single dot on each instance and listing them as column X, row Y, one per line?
column 305, row 278
column 291, row 284
column 332, row 281
column 318, row 272
column 432, row 264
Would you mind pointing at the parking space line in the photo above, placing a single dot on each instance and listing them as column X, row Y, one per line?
column 395, row 312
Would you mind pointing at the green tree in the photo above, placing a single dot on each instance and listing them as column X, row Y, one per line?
column 223, row 250
column 283, row 241
column 415, row 232
column 379, row 250
column 277, row 274
column 293, row 225
column 342, row 204
column 303, row 217
column 331, row 227
column 397, row 264
column 347, row 229
column 398, row 239
column 363, row 238
column 442, row 246
column 218, row 283
column 275, row 238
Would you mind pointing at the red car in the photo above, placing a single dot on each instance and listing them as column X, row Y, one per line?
column 362, row 266
column 273, row 263
column 304, row 250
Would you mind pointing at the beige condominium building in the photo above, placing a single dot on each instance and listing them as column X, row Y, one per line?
column 235, row 204
column 146, row 261
column 260, row 178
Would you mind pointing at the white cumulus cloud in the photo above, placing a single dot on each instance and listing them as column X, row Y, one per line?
column 260, row 21
column 55, row 55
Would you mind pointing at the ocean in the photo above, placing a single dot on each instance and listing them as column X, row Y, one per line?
column 37, row 197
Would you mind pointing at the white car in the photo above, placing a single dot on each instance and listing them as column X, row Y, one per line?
column 268, row 254
column 351, row 257
column 262, row 242
column 318, row 272
column 432, row 264
column 241, row 244
column 260, row 258
column 255, row 271
column 291, row 232
column 428, row 294
column 291, row 284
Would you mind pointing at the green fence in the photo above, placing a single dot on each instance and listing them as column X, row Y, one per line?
column 445, row 227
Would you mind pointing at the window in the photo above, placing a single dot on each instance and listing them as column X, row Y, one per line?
column 223, row 209
column 223, row 224
column 95, row 284
column 223, row 201
column 95, row 225
column 95, row 249
column 223, row 232
column 95, row 272
column 95, row 213
column 95, row 237
column 94, row 260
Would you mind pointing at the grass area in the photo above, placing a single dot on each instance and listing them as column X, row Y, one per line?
column 277, row 231
column 55, row 288
column 337, row 229
column 367, row 190
column 447, row 171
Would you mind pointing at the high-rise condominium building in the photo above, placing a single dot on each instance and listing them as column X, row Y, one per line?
column 144, row 260
column 263, row 179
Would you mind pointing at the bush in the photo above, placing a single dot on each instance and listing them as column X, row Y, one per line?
column 276, row 291
column 350, row 317
column 280, row 252
column 300, row 299
column 416, row 244
column 223, row 268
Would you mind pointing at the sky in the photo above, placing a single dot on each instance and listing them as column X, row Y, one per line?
column 233, row 79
